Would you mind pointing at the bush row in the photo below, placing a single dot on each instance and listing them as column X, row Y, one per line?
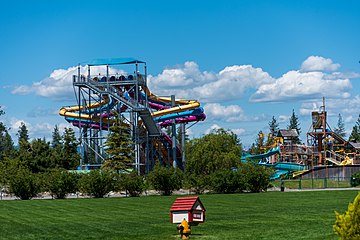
column 247, row 177
column 59, row 183
column 98, row 183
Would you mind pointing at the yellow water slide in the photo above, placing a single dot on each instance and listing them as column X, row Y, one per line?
column 184, row 104
column 73, row 111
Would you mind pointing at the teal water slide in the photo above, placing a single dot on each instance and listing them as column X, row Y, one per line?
column 272, row 151
column 282, row 168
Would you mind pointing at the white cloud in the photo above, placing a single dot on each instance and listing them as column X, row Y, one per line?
column 16, row 123
column 216, row 110
column 36, row 130
column 311, row 81
column 349, row 119
column 214, row 127
column 283, row 118
column 181, row 76
column 238, row 131
column 346, row 107
column 188, row 82
column 298, row 85
column 230, row 113
column 189, row 132
column 58, row 86
column 232, row 83
column 22, row 90
column 318, row 63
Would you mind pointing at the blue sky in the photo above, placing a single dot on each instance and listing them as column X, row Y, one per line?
column 245, row 61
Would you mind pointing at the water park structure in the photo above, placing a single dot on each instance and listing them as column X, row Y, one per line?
column 325, row 154
column 104, row 92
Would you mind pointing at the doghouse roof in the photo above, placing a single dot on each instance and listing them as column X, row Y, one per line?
column 187, row 204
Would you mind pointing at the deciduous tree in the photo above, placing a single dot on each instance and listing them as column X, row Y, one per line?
column 220, row 149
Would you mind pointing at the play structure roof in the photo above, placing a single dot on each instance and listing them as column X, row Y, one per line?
column 355, row 145
column 288, row 133
column 112, row 61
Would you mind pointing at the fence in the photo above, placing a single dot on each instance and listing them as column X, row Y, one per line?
column 314, row 183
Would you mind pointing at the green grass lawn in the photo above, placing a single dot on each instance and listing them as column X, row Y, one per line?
column 271, row 215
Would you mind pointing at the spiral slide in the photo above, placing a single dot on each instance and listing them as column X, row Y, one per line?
column 185, row 111
column 163, row 115
column 76, row 113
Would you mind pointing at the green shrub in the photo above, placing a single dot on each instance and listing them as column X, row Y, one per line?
column 227, row 181
column 61, row 182
column 165, row 180
column 197, row 183
column 347, row 225
column 355, row 179
column 24, row 184
column 132, row 183
column 256, row 178
column 97, row 183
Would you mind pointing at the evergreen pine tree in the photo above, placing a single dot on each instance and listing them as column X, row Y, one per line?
column 40, row 159
column 23, row 137
column 56, row 138
column 259, row 144
column 294, row 124
column 6, row 143
column 70, row 156
column 340, row 128
column 119, row 147
column 355, row 133
column 274, row 128
column 57, row 147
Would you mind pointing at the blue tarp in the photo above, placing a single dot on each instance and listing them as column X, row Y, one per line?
column 112, row 61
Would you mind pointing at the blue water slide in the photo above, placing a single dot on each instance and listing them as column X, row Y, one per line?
column 110, row 104
column 194, row 112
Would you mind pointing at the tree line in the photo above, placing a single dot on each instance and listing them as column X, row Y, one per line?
column 213, row 162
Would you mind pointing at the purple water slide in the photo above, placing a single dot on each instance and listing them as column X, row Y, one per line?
column 93, row 125
column 157, row 106
column 196, row 118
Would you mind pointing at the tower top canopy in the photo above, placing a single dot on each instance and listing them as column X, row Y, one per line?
column 112, row 61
